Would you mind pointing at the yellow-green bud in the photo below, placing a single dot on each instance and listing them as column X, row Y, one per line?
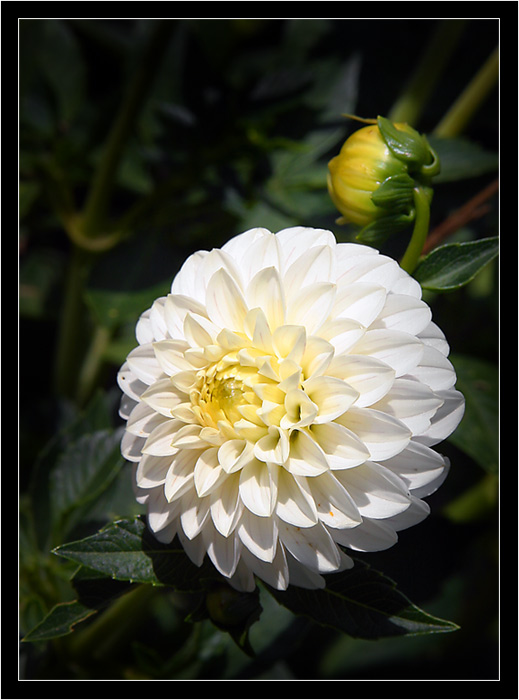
column 376, row 170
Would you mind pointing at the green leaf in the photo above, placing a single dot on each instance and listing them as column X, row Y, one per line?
column 409, row 147
column 113, row 308
column 81, row 474
column 477, row 434
column 96, row 417
column 462, row 159
column 381, row 229
column 362, row 603
column 453, row 265
column 127, row 551
column 395, row 193
column 60, row 621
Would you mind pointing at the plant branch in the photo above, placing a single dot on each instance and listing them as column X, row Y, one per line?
column 458, row 116
column 99, row 196
column 410, row 104
column 473, row 209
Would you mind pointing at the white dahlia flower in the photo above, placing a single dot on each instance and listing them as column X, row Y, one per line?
column 282, row 404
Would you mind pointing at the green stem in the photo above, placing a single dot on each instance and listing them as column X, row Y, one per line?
column 422, row 202
column 461, row 112
column 99, row 196
column 92, row 363
column 409, row 106
column 111, row 627
column 70, row 334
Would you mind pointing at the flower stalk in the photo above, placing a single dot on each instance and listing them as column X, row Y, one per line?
column 438, row 51
column 458, row 116
column 113, row 625
column 422, row 201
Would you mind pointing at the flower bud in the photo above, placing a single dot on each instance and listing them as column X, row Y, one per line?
column 374, row 175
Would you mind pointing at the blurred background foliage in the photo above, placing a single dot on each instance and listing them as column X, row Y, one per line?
column 142, row 141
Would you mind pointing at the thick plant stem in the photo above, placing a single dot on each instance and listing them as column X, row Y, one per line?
column 411, row 103
column 70, row 334
column 94, row 212
column 422, row 201
column 92, row 363
column 113, row 625
column 461, row 112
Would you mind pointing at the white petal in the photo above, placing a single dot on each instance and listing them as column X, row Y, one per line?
column 259, row 535
column 180, row 476
column 418, row 510
column 263, row 252
column 159, row 512
column 342, row 448
column 158, row 323
column 317, row 356
column 176, row 307
column 334, row 505
column 224, row 552
column 265, row 291
column 342, row 333
column 301, row 576
column 126, row 406
column 377, row 492
column 219, row 259
column 295, row 505
column 151, row 471
column 410, row 402
column 314, row 265
column 208, row 472
column 143, row 420
column 189, row 437
column 446, row 419
column 273, row 447
column 258, row 488
column 300, row 410
column 238, row 246
column 274, row 573
column 434, row 337
column 129, row 383
column 258, row 330
column 364, row 267
column 306, row 457
column 370, row 536
column 383, row 435
column 417, row 465
column 144, row 364
column 226, row 507
column 402, row 312
column 199, row 331
column 360, row 302
column 234, row 454
column 435, row 370
column 399, row 350
column 312, row 306
column 131, row 447
column 187, row 281
column 312, row 546
column 226, row 305
column 170, row 356
column 162, row 396
column 160, row 440
column 297, row 239
column 289, row 342
column 195, row 511
column 333, row 396
column 371, row 378
column 143, row 329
